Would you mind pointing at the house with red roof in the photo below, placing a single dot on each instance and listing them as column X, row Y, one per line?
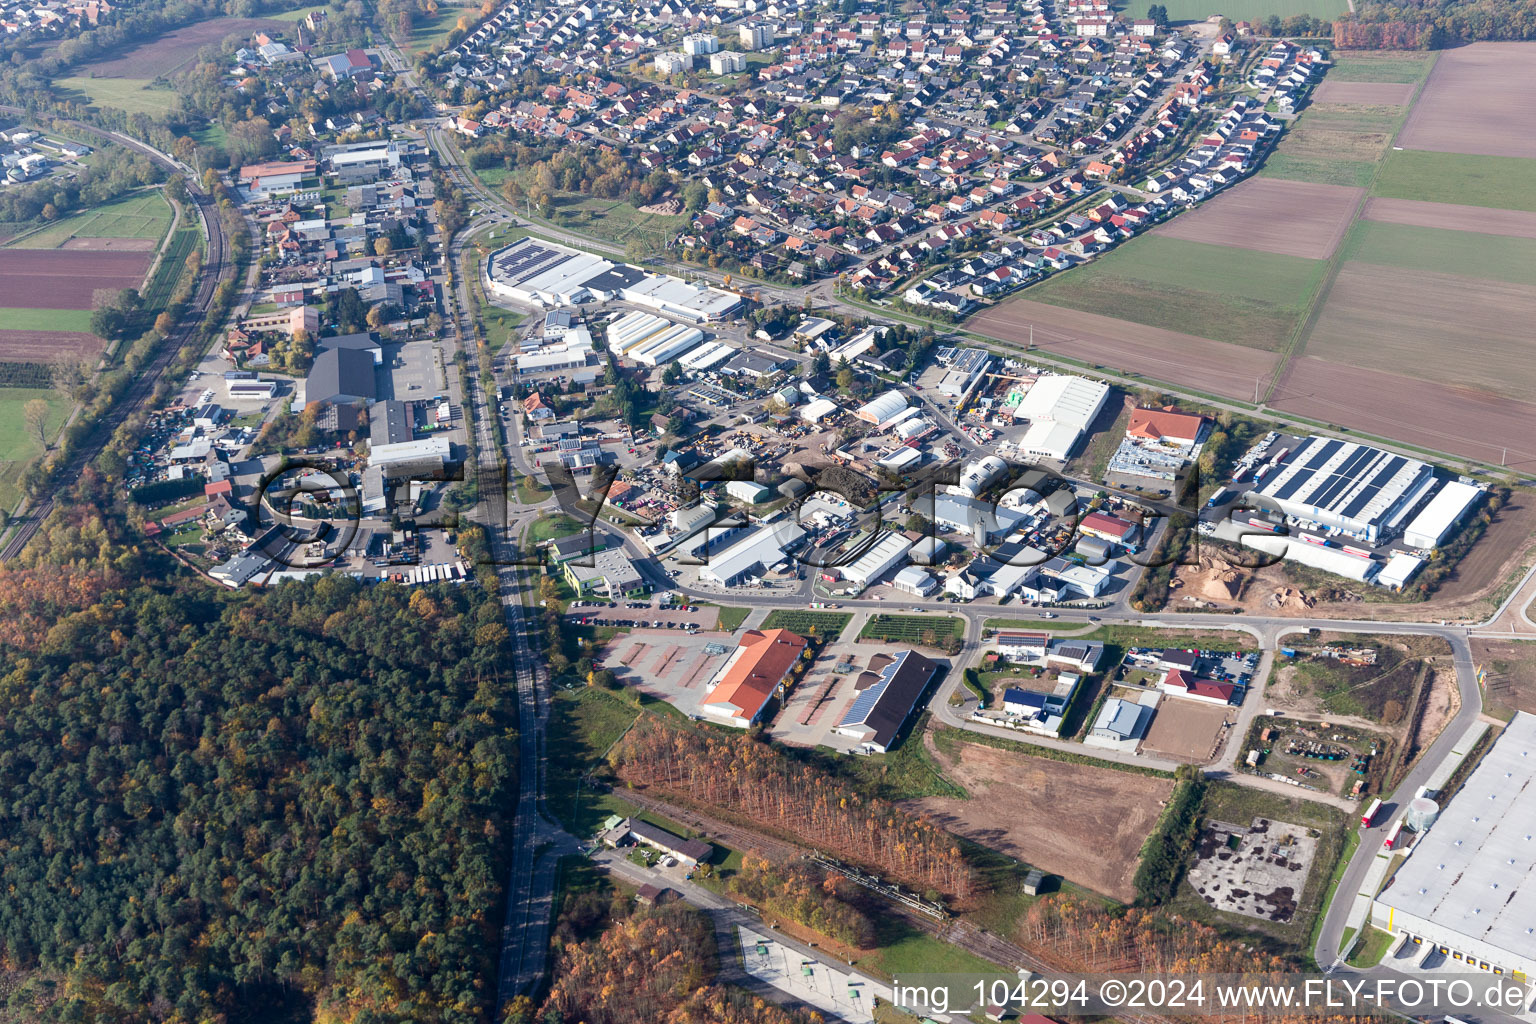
column 1178, row 683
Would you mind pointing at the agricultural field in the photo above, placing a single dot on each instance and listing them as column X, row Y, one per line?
column 1461, row 331
column 1379, row 66
column 17, row 446
column 1451, row 217
column 140, row 219
column 67, row 320
column 429, row 31
column 1249, row 10
column 1290, row 218
column 1337, row 91
column 130, row 95
column 1502, row 182
column 1246, row 298
column 1477, row 100
column 1463, row 253
column 1081, row 821
column 827, row 625
column 1331, row 146
column 171, row 51
column 1092, row 338
column 64, row 278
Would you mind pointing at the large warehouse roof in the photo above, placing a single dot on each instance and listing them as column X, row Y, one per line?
column 1353, row 482
column 1474, row 872
column 1074, row 401
column 886, row 406
column 1444, row 511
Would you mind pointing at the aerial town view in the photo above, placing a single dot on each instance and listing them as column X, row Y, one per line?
column 767, row 511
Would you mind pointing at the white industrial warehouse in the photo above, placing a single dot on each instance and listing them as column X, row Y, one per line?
column 1059, row 409
column 535, row 272
column 1362, row 491
column 1441, row 515
column 1467, row 891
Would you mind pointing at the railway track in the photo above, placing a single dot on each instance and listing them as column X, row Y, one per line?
column 142, row 388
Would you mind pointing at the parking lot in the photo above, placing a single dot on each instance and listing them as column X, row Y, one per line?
column 671, row 664
column 626, row 613
column 818, row 702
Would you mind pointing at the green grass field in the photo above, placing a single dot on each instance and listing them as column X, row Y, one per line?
column 1212, row 291
column 588, row 722
column 1489, row 257
column 141, row 215
column 828, row 625
column 910, row 629
column 429, row 31
column 1500, row 182
column 213, row 135
column 46, row 320
column 1385, row 66
column 17, row 447
column 131, row 95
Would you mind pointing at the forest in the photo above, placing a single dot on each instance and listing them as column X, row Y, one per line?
column 115, row 172
column 1432, row 24
column 805, row 893
column 274, row 805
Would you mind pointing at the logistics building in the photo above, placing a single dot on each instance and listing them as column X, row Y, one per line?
column 1059, row 408
column 1361, row 491
column 1466, row 895
column 535, row 272
column 751, row 554
column 1441, row 515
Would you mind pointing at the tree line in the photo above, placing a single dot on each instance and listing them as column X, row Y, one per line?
column 805, row 893
column 753, row 780
column 1432, row 24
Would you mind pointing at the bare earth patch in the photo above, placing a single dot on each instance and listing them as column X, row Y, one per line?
column 47, row 346
column 1477, row 100
column 1079, row 821
column 1187, row 731
column 1369, row 94
column 1479, row 220
column 1461, row 421
column 1199, row 363
column 63, row 279
column 1292, row 218
column 111, row 244
column 1459, row 332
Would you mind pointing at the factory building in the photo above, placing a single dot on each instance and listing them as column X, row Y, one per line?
column 1441, row 515
column 538, row 273
column 1361, row 491
column 752, row 676
column 1466, row 894
column 889, row 551
column 666, row 345
column 1059, row 409
column 751, row 554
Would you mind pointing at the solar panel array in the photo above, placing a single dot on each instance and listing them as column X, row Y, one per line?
column 520, row 263
column 1341, row 477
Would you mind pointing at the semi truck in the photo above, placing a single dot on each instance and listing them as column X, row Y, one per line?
column 1370, row 813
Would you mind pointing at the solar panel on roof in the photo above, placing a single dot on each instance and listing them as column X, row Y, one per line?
column 863, row 705
column 1382, row 478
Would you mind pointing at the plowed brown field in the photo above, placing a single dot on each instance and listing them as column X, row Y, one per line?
column 1367, row 94
column 1185, row 359
column 47, row 346
column 1451, row 217
column 1477, row 100
column 1292, row 218
column 65, row 278
column 1457, row 332
column 1418, row 412
column 170, row 51
column 1079, row 821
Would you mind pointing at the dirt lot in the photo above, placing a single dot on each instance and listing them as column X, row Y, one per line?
column 47, row 346
column 1511, row 667
column 1198, row 363
column 1187, row 731
column 1082, row 822
column 1477, row 100
column 1292, row 218
column 1462, row 421
column 1495, row 556
column 61, row 279
column 166, row 54
column 1370, row 94
column 1451, row 217
column 1459, row 332
column 112, row 244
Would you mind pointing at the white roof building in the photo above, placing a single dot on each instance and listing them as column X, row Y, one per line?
column 888, row 551
column 886, row 407
column 1059, row 408
column 817, row 410
column 1441, row 515
column 1468, row 885
column 751, row 554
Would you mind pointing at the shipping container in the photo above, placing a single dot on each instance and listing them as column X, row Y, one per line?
column 1370, row 813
